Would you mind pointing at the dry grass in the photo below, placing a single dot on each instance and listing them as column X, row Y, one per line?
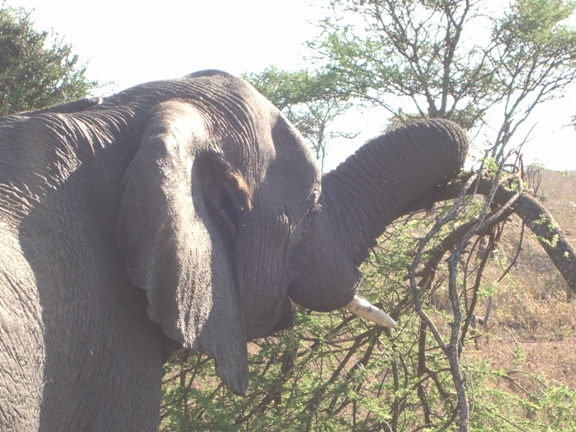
column 555, row 360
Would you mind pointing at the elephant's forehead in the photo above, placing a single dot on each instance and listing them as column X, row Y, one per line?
column 276, row 155
column 291, row 172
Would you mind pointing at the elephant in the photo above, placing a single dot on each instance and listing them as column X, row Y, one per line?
column 184, row 213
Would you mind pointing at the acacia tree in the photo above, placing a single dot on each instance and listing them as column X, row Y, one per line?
column 421, row 59
column 467, row 61
column 37, row 69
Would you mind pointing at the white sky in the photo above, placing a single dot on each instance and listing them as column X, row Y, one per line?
column 135, row 42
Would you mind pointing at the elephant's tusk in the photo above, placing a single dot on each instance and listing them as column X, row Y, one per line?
column 364, row 309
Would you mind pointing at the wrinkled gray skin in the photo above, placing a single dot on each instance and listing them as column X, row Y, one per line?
column 176, row 213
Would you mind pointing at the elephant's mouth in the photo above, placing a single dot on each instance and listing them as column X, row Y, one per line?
column 286, row 320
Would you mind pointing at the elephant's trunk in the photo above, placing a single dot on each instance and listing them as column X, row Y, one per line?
column 362, row 196
column 374, row 185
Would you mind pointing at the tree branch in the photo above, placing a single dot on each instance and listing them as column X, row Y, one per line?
column 534, row 215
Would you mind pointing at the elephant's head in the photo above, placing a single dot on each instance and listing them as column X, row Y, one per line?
column 219, row 194
column 222, row 216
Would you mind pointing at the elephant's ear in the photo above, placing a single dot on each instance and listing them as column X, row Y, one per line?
column 179, row 204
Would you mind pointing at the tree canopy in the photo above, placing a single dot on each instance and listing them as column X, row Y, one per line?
column 482, row 64
column 37, row 68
